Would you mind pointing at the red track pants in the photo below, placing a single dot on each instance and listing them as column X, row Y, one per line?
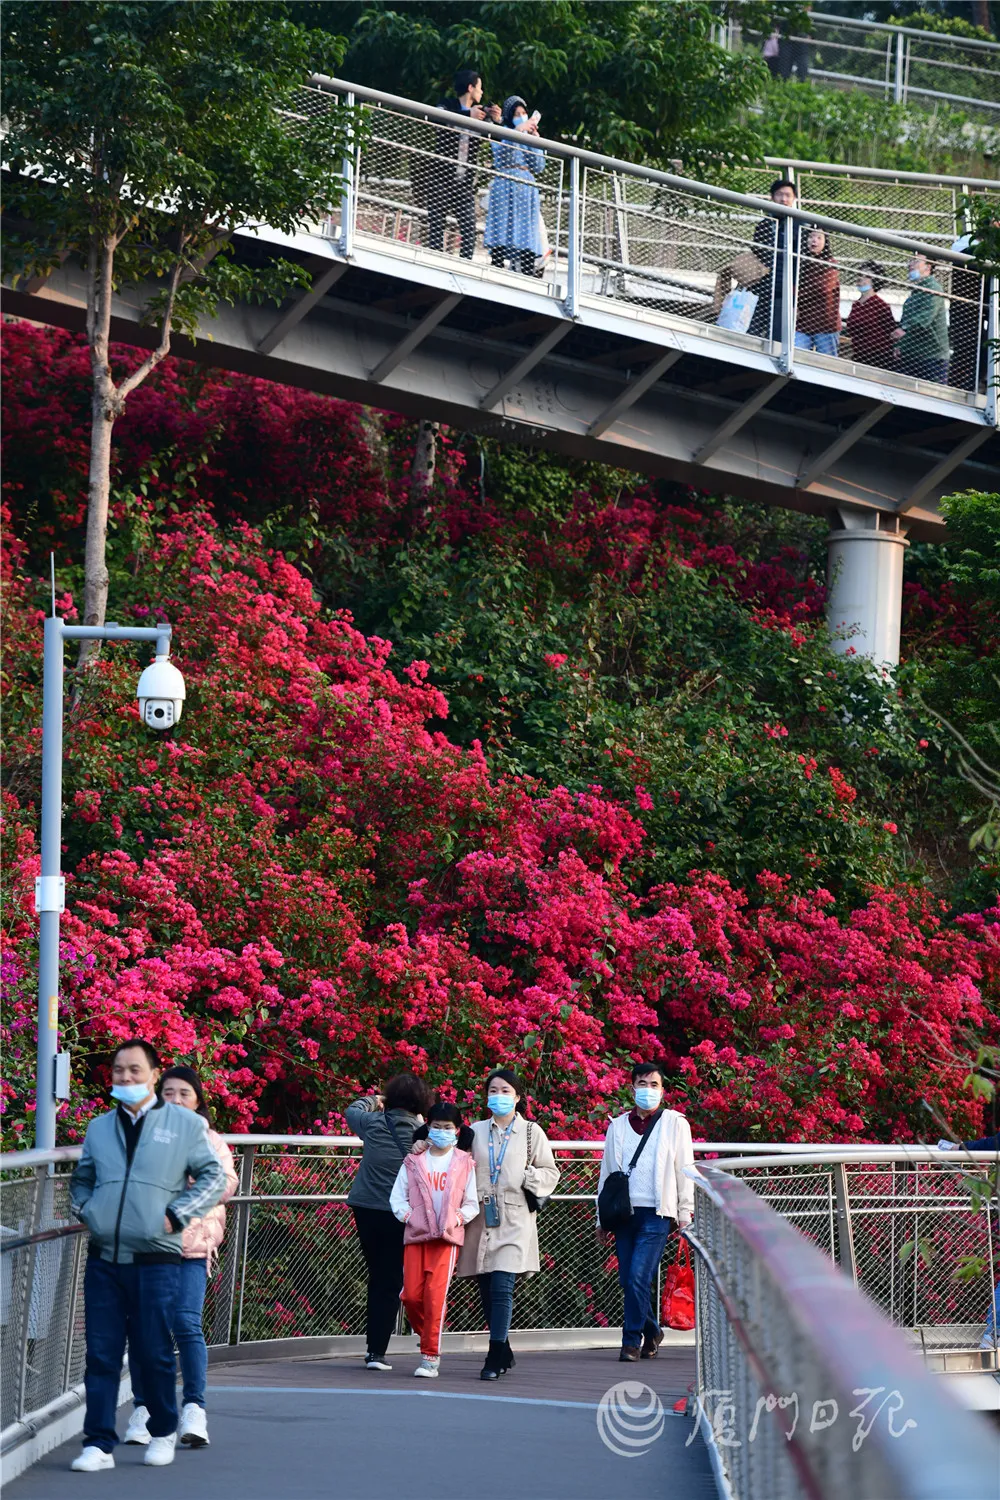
column 427, row 1271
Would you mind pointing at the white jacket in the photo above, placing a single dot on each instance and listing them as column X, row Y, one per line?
column 674, row 1152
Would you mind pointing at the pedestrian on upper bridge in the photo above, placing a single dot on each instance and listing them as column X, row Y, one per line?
column 386, row 1124
column 770, row 239
column 451, row 181
column 513, row 230
column 817, row 317
column 870, row 323
column 643, row 1193
column 515, row 1173
column 923, row 326
column 146, row 1171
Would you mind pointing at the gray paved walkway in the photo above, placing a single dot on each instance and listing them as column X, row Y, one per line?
column 327, row 1430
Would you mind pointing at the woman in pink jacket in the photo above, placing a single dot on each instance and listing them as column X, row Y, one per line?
column 200, row 1242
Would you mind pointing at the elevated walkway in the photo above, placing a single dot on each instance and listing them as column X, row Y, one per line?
column 613, row 351
column 301, row 1429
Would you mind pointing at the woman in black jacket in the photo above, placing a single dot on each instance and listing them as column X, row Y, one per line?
column 385, row 1123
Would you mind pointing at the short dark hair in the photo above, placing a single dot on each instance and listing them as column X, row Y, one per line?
column 876, row 272
column 509, row 1076
column 465, row 78
column 442, row 1109
column 780, row 182
column 407, row 1092
column 656, row 1066
column 152, row 1056
column 187, row 1075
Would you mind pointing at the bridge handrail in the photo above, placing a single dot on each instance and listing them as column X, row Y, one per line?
column 342, row 88
column 803, row 1330
column 943, row 37
column 841, row 169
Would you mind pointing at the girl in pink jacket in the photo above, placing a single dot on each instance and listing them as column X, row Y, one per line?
column 199, row 1246
column 434, row 1196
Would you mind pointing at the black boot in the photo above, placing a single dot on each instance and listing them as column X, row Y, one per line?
column 494, row 1361
column 507, row 1357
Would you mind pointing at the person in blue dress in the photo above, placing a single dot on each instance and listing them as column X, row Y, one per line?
column 513, row 230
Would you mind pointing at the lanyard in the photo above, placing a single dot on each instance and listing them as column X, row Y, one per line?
column 495, row 1166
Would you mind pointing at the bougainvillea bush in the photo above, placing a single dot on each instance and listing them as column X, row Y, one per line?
column 325, row 874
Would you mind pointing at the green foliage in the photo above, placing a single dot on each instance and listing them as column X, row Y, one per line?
column 929, row 20
column 973, row 543
column 814, row 123
column 115, row 111
column 631, row 78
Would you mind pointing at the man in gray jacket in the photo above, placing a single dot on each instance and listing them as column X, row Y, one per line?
column 146, row 1171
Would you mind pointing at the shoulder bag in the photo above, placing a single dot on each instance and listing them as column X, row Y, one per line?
column 535, row 1202
column 614, row 1206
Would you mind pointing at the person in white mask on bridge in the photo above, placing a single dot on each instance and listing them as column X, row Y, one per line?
column 643, row 1193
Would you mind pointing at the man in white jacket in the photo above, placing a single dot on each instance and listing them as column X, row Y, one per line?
column 661, row 1195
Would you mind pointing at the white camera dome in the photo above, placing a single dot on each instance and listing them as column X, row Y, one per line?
column 161, row 694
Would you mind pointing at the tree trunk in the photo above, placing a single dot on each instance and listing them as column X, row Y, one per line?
column 981, row 14
column 104, row 408
column 424, row 460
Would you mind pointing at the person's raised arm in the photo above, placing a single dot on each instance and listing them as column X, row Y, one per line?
column 363, row 1111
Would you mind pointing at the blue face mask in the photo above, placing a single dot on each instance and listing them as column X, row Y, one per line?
column 647, row 1098
column 520, row 121
column 441, row 1137
column 500, row 1104
column 129, row 1093
column 913, row 276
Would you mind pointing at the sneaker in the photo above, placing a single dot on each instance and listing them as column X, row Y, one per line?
column 377, row 1362
column 161, row 1450
column 137, row 1431
column 193, row 1430
column 429, row 1367
column 91, row 1460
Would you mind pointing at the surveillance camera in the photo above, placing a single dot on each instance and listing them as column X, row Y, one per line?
column 161, row 694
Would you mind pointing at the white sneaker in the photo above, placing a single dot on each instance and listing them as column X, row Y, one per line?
column 429, row 1367
column 376, row 1362
column 91, row 1460
column 137, row 1431
column 161, row 1450
column 194, row 1426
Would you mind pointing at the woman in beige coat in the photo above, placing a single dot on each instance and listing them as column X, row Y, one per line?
column 514, row 1169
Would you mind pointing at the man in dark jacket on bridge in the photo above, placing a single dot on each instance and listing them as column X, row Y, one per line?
column 451, row 185
column 146, row 1171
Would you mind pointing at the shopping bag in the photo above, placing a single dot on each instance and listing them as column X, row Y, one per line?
column 747, row 269
column 736, row 311
column 677, row 1302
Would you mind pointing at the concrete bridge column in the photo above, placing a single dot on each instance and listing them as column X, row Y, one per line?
column 865, row 582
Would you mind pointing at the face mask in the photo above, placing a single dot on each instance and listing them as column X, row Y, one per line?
column 913, row 275
column 864, row 286
column 441, row 1137
column 129, row 1093
column 520, row 121
column 500, row 1104
column 647, row 1098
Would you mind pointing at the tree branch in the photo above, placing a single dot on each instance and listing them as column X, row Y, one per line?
column 163, row 348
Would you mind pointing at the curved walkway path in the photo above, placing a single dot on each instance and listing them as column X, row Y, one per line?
column 305, row 1429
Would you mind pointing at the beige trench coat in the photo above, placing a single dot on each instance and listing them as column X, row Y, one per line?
column 513, row 1245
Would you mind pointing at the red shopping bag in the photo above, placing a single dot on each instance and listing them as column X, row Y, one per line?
column 677, row 1302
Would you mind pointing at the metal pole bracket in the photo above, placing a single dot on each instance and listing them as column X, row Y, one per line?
column 50, row 893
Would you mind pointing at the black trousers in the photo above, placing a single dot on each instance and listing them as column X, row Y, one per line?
column 520, row 260
column 381, row 1236
column 457, row 197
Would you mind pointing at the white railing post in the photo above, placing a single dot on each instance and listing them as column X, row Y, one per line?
column 574, row 247
column 897, row 92
column 789, row 282
column 348, row 201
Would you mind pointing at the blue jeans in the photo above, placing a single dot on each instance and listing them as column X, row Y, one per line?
column 189, row 1336
column 496, row 1293
column 927, row 369
column 823, row 343
column 639, row 1247
column 135, row 1302
column 993, row 1315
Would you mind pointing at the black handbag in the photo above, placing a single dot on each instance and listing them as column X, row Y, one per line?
column 533, row 1200
column 614, row 1206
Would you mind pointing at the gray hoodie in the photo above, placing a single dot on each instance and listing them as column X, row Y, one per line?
column 124, row 1204
column 381, row 1158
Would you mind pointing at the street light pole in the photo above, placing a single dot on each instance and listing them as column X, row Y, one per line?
column 50, row 887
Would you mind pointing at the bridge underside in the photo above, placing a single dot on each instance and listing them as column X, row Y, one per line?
column 484, row 351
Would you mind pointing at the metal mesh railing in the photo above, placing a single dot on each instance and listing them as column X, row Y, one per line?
column 41, row 1275
column 592, row 234
column 803, row 1388
column 901, row 64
